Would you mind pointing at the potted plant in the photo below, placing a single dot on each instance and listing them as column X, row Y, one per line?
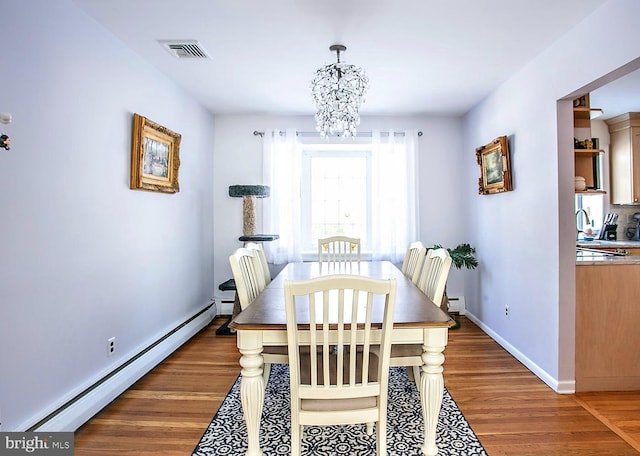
column 463, row 255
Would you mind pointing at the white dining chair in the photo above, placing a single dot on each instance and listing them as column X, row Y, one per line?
column 434, row 274
column 413, row 260
column 432, row 281
column 264, row 266
column 250, row 282
column 336, row 377
column 339, row 249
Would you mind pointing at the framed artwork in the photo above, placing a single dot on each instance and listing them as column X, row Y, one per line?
column 495, row 169
column 155, row 157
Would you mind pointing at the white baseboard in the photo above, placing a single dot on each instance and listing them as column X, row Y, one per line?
column 562, row 387
column 566, row 387
column 88, row 404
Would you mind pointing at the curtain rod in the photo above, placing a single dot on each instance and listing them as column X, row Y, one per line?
column 314, row 133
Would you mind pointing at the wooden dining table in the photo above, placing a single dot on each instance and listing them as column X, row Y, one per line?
column 417, row 320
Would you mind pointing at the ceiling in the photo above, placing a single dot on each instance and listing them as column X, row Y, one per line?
column 422, row 56
column 619, row 96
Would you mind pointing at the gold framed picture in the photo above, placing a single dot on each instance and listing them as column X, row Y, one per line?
column 495, row 169
column 155, row 157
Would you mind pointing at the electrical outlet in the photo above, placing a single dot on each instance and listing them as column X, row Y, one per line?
column 111, row 346
column 506, row 310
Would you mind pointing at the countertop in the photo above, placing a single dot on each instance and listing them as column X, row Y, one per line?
column 609, row 244
column 594, row 258
column 591, row 259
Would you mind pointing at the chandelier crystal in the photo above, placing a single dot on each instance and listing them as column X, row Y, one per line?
column 338, row 91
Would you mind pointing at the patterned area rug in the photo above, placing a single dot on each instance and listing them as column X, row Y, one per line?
column 226, row 435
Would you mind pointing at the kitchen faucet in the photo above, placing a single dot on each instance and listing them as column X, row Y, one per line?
column 578, row 230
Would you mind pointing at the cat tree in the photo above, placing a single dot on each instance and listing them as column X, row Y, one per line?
column 248, row 193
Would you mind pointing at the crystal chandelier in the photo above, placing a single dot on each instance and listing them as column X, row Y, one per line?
column 338, row 89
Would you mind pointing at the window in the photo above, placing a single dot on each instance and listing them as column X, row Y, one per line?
column 365, row 188
column 594, row 207
column 336, row 182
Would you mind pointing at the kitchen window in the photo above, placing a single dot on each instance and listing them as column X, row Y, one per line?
column 593, row 205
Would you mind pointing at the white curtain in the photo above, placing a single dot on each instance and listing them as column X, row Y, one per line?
column 394, row 197
column 281, row 171
column 395, row 194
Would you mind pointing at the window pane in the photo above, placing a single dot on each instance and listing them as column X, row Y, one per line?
column 338, row 196
column 594, row 207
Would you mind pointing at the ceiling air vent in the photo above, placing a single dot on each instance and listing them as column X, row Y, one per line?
column 184, row 49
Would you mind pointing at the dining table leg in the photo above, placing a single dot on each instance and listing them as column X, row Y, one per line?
column 432, row 385
column 251, row 387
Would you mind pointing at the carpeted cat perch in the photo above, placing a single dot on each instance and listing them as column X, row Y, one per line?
column 249, row 193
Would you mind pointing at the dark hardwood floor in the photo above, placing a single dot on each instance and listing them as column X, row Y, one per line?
column 510, row 409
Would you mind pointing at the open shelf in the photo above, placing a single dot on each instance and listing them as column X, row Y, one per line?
column 588, row 151
column 587, row 162
column 582, row 116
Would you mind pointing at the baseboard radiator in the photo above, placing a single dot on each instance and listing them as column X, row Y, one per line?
column 226, row 307
column 457, row 304
column 75, row 412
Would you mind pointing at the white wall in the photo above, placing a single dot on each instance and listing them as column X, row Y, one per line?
column 526, row 238
column 85, row 258
column 238, row 160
